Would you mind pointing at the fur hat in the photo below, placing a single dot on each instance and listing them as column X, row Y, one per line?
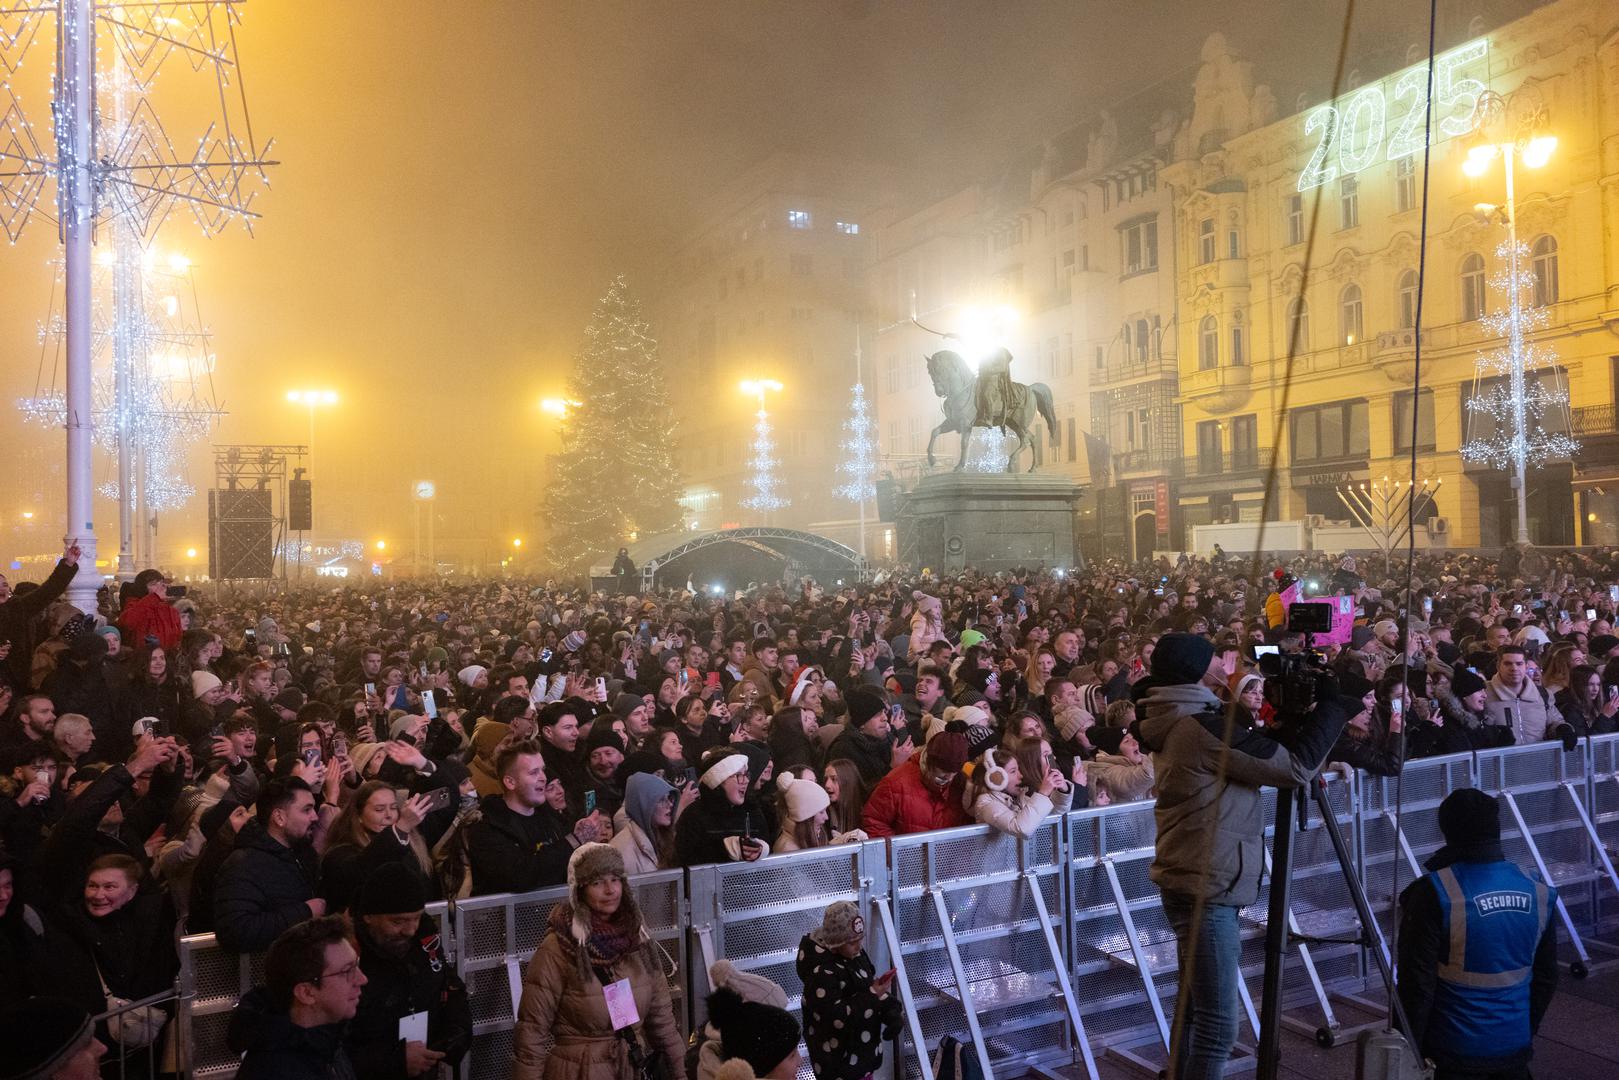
column 755, row 1038
column 804, row 798
column 590, row 863
column 41, row 1035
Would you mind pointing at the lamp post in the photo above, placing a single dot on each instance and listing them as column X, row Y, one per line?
column 311, row 400
column 425, row 491
column 763, row 463
column 1525, row 141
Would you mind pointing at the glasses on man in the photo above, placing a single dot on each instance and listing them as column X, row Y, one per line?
column 347, row 974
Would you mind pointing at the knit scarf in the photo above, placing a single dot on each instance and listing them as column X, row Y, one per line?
column 609, row 939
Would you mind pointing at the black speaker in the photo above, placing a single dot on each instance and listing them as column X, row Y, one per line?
column 300, row 506
column 241, row 531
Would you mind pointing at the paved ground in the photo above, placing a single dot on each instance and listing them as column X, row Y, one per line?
column 1576, row 1042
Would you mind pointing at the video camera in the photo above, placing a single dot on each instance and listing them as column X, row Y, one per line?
column 1296, row 682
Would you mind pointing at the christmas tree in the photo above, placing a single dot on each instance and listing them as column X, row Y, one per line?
column 616, row 476
column 859, row 465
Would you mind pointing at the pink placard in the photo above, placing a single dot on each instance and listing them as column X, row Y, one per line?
column 621, row 1010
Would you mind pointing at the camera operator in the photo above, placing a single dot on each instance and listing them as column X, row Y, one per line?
column 1210, row 816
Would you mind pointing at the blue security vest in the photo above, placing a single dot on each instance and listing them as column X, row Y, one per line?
column 1493, row 915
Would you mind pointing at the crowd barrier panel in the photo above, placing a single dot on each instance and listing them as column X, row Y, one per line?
column 1042, row 953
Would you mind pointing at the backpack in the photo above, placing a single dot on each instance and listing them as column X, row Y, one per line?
column 955, row 1060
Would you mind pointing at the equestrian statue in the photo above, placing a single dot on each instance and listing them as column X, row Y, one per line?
column 988, row 400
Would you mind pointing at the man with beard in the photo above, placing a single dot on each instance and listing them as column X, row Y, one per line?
column 413, row 1011
column 270, row 882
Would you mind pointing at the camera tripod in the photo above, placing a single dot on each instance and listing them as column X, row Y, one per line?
column 1291, row 806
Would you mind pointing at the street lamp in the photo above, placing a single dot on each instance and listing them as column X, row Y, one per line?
column 1528, row 142
column 763, row 464
column 382, row 545
column 312, row 400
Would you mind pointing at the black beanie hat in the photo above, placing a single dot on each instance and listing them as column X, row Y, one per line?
column 863, row 705
column 602, row 734
column 762, row 1035
column 1469, row 816
column 1106, row 739
column 1181, row 658
column 1465, row 682
column 40, row 1035
column 392, row 889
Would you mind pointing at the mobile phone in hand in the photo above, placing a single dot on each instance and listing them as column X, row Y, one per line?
column 590, row 802
column 439, row 798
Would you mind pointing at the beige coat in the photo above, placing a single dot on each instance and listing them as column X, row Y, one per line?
column 557, row 1002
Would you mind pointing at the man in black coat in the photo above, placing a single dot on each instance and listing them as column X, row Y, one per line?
column 407, row 975
column 19, row 611
column 270, row 881
column 521, row 843
column 291, row 1028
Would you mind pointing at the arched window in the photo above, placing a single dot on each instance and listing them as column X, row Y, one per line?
column 1350, row 315
column 1544, row 254
column 1143, row 341
column 1407, row 291
column 1472, row 287
column 1208, row 343
column 1298, row 325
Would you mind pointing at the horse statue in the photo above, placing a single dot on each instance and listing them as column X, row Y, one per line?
column 989, row 399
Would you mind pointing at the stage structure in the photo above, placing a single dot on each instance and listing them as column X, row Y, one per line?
column 248, row 511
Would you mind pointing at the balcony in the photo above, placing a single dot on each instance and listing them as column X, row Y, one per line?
column 1219, row 389
column 1395, row 354
column 1589, row 421
column 1231, row 462
column 1119, row 371
column 1134, row 461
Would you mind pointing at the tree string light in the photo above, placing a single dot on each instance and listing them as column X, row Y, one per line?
column 859, row 464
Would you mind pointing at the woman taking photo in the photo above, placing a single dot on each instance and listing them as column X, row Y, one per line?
column 374, row 828
column 596, row 941
column 1588, row 708
column 997, row 795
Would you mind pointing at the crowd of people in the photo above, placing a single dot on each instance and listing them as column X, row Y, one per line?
column 302, row 772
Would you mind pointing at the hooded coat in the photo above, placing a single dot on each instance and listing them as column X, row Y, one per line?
column 1210, row 810
column 278, row 1049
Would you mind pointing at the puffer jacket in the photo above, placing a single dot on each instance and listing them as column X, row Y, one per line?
column 1123, row 780
column 905, row 803
column 635, row 847
column 927, row 626
column 1210, row 810
column 1019, row 814
column 1527, row 712
column 557, row 1003
column 151, row 616
column 263, row 888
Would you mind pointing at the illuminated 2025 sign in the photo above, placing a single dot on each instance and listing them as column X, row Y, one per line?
column 1355, row 132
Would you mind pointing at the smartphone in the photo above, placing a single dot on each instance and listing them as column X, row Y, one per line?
column 545, row 656
column 1613, row 692
column 601, row 687
column 1590, row 614
column 1613, row 594
column 590, row 802
column 250, row 636
column 682, row 680
column 424, row 669
column 439, row 798
column 1396, row 707
column 340, row 745
column 889, row 974
column 1517, row 609
column 430, row 705
column 1427, row 605
column 712, row 680
column 311, row 756
column 370, row 689
column 176, row 592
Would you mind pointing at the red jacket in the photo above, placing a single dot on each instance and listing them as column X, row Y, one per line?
column 150, row 615
column 904, row 803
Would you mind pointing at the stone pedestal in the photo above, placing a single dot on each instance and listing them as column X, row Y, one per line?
column 991, row 521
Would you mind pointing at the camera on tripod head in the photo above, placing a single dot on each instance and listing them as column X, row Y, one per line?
column 1296, row 682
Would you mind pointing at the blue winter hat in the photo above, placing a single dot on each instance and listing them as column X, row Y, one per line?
column 1181, row 658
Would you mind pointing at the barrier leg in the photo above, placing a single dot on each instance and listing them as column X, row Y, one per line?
column 912, row 1020
column 942, row 910
column 1591, row 832
column 1322, row 999
column 1122, row 902
column 1060, row 966
column 1545, row 875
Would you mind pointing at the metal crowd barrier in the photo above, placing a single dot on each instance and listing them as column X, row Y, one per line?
column 1043, row 954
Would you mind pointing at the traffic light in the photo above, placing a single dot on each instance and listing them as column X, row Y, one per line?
column 300, row 505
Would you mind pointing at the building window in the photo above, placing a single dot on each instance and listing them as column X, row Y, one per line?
column 1140, row 242
column 1232, row 248
column 1072, row 447
column 1143, row 341
column 801, row 265
column 1405, row 184
column 1408, row 298
column 1298, row 324
column 1101, row 357
column 891, row 374
column 798, row 219
column 1084, row 256
column 893, row 436
column 1245, row 442
column 1205, row 240
column 1068, row 354
column 1328, row 432
column 1348, row 202
column 1472, row 287
column 916, row 434
column 1402, row 421
column 1544, row 255
column 1295, row 219
column 1237, row 356
column 849, row 228
column 1208, row 344
column 1349, row 315
column 1210, row 451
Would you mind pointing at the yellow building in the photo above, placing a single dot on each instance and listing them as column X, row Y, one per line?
column 1312, row 226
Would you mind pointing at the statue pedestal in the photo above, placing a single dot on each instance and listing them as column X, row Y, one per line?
column 991, row 521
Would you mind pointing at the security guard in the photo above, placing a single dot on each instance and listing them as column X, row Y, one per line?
column 1478, row 949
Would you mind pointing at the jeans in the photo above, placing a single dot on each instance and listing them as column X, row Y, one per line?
column 1206, row 1007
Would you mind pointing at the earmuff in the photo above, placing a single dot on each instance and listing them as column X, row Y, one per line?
column 995, row 777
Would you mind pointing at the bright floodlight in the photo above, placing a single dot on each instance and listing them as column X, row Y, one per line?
column 382, row 545
column 191, row 553
column 759, row 386
column 982, row 330
column 1539, row 150
column 312, row 398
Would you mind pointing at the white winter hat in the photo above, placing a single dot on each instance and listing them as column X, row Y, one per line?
column 805, row 798
column 723, row 769
column 202, row 682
